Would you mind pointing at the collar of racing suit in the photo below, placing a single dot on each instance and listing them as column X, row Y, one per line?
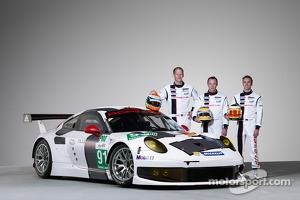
column 247, row 93
column 179, row 86
column 212, row 93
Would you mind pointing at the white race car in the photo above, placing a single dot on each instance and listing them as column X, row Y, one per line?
column 131, row 146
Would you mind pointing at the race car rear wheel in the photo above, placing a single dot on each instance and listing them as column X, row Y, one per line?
column 42, row 159
column 121, row 165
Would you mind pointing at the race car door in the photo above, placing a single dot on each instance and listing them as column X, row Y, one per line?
column 87, row 153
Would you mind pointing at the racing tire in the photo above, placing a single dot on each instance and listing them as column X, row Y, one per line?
column 42, row 159
column 121, row 166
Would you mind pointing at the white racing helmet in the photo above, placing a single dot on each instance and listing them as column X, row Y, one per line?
column 234, row 112
column 153, row 102
column 204, row 114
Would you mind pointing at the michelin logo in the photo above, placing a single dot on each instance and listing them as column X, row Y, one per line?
column 212, row 153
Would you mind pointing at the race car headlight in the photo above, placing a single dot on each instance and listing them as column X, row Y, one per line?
column 227, row 142
column 155, row 145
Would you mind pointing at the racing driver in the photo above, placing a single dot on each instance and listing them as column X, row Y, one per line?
column 178, row 97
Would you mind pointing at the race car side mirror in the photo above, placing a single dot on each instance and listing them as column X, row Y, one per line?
column 92, row 129
column 185, row 127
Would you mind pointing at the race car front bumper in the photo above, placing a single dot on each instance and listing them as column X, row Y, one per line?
column 188, row 175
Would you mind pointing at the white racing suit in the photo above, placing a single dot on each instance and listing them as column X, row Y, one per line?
column 178, row 98
column 218, row 105
column 252, row 108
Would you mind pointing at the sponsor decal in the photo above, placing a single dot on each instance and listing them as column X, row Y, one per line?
column 102, row 138
column 101, row 159
column 212, row 153
column 81, row 141
column 141, row 157
column 123, row 112
column 132, row 136
column 102, row 145
column 214, row 104
column 185, row 89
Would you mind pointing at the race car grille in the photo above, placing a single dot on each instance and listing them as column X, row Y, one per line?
column 203, row 174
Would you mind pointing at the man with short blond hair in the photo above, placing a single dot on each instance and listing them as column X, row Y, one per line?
column 178, row 96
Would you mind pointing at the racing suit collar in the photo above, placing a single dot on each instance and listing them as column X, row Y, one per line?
column 212, row 93
column 179, row 86
column 247, row 93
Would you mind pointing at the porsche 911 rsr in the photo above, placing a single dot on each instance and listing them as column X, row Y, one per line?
column 131, row 146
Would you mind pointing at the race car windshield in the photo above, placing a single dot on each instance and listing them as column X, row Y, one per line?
column 142, row 121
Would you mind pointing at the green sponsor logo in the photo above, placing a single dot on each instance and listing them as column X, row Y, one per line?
column 101, row 159
column 102, row 138
column 132, row 136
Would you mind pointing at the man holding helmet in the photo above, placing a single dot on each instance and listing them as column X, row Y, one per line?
column 178, row 97
column 217, row 103
column 249, row 124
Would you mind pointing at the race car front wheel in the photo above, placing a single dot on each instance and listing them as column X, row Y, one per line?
column 121, row 165
column 42, row 159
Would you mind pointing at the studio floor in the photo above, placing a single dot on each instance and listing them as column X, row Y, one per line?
column 16, row 182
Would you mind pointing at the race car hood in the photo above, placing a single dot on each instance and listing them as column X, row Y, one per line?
column 190, row 146
column 189, row 143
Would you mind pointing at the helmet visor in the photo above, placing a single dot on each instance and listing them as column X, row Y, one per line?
column 203, row 114
column 155, row 102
